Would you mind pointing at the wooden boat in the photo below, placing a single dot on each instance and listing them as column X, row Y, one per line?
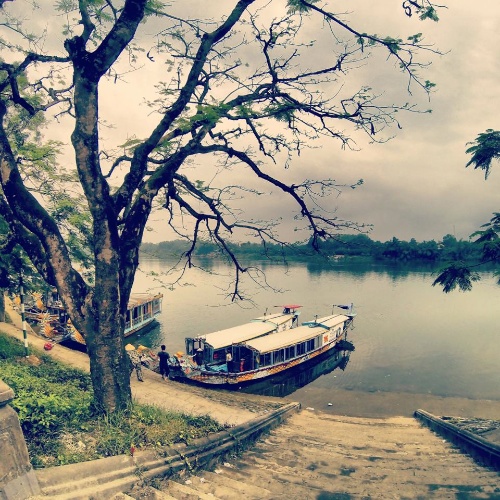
column 286, row 382
column 55, row 324
column 212, row 347
column 266, row 355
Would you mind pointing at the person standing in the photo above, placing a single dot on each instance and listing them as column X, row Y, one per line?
column 163, row 356
column 135, row 363
column 229, row 361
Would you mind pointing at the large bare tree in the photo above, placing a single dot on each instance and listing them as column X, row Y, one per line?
column 243, row 86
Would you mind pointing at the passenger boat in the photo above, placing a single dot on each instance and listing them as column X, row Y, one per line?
column 286, row 382
column 211, row 348
column 266, row 355
column 55, row 324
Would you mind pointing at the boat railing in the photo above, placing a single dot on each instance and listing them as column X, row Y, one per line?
column 140, row 319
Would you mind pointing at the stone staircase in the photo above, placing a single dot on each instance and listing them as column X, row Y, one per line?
column 327, row 457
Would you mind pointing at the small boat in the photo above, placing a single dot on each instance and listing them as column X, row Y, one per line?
column 55, row 324
column 261, row 356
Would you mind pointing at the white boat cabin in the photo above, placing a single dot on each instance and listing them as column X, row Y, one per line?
column 212, row 347
column 280, row 347
column 142, row 308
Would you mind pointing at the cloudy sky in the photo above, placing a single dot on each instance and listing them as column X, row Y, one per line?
column 416, row 184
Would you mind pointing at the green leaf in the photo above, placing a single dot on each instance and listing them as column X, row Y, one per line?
column 295, row 6
column 484, row 150
column 429, row 13
column 456, row 275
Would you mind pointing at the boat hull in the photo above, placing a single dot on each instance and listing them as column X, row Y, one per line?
column 189, row 371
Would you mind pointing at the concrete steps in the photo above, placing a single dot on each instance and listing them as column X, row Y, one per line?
column 319, row 456
column 326, row 457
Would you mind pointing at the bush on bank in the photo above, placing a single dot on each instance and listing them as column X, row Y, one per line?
column 54, row 405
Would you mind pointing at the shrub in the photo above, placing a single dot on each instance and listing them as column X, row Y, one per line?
column 10, row 347
column 54, row 406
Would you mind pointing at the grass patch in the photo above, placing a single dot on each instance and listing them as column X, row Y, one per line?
column 54, row 405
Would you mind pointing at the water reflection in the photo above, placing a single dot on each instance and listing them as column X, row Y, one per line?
column 395, row 271
column 287, row 382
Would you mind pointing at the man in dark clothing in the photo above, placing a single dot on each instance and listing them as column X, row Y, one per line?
column 163, row 356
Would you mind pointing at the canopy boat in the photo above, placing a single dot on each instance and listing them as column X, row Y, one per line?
column 55, row 324
column 211, row 348
column 142, row 310
column 260, row 357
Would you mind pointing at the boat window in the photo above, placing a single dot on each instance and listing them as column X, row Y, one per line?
column 310, row 345
column 278, row 356
column 265, row 359
column 219, row 355
column 301, row 348
column 290, row 352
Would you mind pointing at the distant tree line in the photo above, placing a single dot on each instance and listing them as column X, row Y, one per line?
column 359, row 246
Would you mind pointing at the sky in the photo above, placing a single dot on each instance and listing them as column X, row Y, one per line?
column 414, row 185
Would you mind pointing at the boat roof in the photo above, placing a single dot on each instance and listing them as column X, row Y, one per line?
column 305, row 332
column 136, row 299
column 236, row 334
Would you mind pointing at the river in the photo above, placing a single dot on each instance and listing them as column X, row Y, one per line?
column 410, row 338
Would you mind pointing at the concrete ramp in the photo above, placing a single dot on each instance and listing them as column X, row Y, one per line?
column 325, row 457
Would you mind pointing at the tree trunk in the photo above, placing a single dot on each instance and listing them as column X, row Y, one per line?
column 2, row 305
column 109, row 364
column 109, row 369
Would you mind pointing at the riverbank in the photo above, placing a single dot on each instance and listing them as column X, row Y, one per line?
column 233, row 408
column 389, row 439
column 392, row 404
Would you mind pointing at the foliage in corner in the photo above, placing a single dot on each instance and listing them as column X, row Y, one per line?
column 484, row 150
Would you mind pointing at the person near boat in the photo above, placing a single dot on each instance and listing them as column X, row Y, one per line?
column 229, row 360
column 163, row 356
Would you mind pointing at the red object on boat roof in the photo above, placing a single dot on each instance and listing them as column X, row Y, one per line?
column 290, row 306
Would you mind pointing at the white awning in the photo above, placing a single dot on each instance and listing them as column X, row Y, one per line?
column 303, row 333
column 137, row 299
column 237, row 334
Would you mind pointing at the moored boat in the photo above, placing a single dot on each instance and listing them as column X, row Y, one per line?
column 266, row 355
column 55, row 324
column 211, row 348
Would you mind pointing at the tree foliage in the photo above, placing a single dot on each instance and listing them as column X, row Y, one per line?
column 241, row 90
column 484, row 150
column 355, row 246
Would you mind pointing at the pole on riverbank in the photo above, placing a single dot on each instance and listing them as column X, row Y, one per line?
column 23, row 318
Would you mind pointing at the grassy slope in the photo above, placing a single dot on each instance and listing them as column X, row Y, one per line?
column 54, row 404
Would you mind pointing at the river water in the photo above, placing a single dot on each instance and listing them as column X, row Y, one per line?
column 409, row 337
